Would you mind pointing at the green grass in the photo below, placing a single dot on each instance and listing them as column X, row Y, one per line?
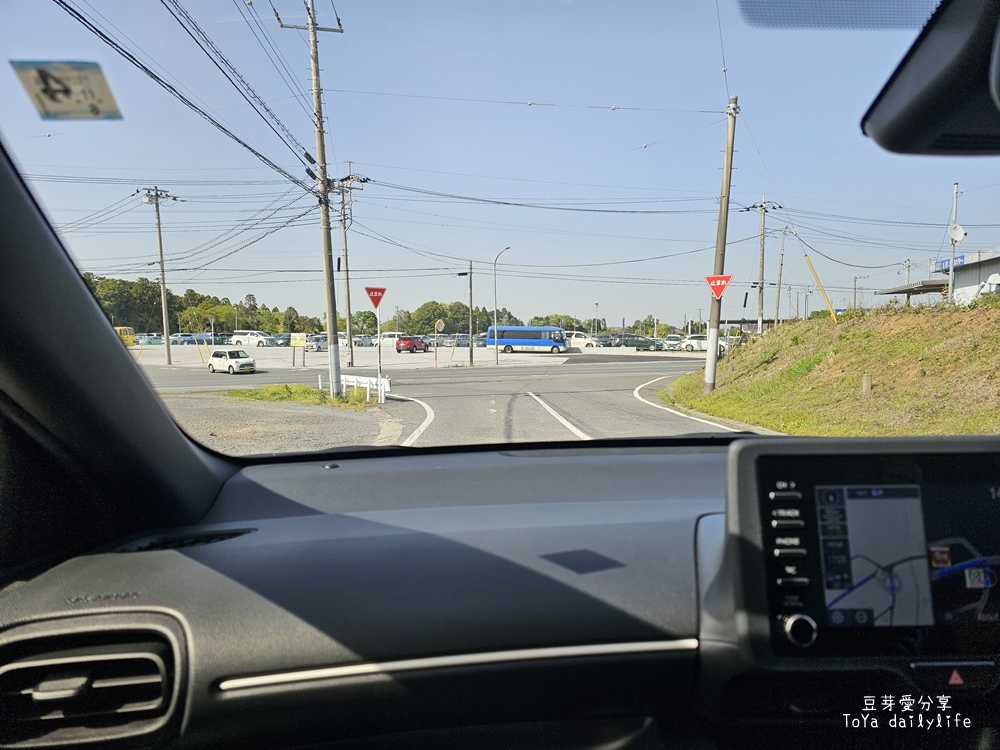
column 935, row 371
column 304, row 394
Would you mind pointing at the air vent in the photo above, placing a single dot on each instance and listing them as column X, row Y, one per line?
column 177, row 541
column 59, row 691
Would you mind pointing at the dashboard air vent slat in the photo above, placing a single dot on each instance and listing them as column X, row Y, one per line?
column 52, row 695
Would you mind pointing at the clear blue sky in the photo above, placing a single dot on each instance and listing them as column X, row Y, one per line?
column 433, row 96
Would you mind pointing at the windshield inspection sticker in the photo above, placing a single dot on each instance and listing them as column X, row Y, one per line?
column 67, row 90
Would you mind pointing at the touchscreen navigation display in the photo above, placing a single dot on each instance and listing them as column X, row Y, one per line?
column 889, row 560
column 865, row 554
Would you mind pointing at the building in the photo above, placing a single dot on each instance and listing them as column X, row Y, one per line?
column 976, row 273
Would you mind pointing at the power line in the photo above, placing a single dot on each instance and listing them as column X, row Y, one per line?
column 525, row 103
column 234, row 76
column 130, row 57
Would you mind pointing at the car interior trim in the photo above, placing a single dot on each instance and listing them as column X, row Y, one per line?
column 455, row 660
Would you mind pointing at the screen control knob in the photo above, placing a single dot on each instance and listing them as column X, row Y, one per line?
column 800, row 629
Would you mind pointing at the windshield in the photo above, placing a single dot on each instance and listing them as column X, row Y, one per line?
column 540, row 167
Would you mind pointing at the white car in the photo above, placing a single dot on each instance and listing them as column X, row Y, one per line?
column 231, row 361
column 317, row 343
column 580, row 340
column 699, row 342
column 363, row 340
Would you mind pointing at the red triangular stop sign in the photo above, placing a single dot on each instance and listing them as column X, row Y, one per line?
column 956, row 678
column 718, row 284
column 375, row 294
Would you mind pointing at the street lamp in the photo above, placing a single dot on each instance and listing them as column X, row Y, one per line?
column 496, row 342
column 595, row 319
column 236, row 310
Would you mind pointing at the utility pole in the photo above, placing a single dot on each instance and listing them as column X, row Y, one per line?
column 957, row 234
column 855, row 306
column 345, row 185
column 907, row 265
column 471, row 347
column 323, row 190
column 781, row 264
column 715, row 310
column 764, row 206
column 154, row 195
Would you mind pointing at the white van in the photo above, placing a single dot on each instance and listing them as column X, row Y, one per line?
column 251, row 338
column 389, row 337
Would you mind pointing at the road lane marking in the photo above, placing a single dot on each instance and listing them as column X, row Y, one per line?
column 563, row 421
column 423, row 425
column 674, row 411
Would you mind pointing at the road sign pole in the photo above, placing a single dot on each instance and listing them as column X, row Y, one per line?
column 378, row 368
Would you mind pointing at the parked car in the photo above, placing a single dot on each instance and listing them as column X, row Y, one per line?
column 317, row 343
column 605, row 339
column 179, row 339
column 282, row 339
column 447, row 340
column 580, row 340
column 231, row 361
column 363, row 340
column 410, row 344
column 672, row 342
column 479, row 340
column 699, row 342
column 645, row 343
column 252, row 338
column 461, row 339
column 152, row 340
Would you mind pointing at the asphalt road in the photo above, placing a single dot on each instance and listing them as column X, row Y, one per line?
column 527, row 398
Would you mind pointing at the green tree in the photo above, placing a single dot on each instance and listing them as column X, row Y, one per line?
column 423, row 317
column 364, row 321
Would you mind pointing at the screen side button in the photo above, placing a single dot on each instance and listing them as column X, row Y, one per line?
column 790, row 552
column 792, row 582
column 784, row 495
column 786, row 523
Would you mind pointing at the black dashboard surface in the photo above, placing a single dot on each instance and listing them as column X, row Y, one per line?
column 555, row 573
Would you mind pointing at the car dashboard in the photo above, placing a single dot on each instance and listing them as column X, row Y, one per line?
column 626, row 597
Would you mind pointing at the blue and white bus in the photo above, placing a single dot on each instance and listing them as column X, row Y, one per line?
column 527, row 339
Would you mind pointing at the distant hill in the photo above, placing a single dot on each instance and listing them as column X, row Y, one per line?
column 935, row 371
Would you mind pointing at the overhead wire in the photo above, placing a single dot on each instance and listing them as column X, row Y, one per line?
column 233, row 75
column 171, row 89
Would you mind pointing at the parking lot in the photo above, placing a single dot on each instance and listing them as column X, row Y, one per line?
column 281, row 357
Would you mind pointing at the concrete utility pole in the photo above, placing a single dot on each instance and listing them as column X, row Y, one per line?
column 855, row 306
column 154, row 195
column 323, row 189
column 955, row 239
column 781, row 264
column 764, row 206
column 715, row 310
column 345, row 185
column 471, row 347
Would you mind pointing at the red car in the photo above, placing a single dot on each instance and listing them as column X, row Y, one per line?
column 410, row 344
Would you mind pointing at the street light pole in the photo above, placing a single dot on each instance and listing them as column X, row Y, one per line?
column 595, row 320
column 496, row 342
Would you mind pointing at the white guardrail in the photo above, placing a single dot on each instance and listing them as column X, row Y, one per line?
column 381, row 385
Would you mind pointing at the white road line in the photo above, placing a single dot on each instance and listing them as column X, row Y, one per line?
column 562, row 420
column 674, row 411
column 423, row 425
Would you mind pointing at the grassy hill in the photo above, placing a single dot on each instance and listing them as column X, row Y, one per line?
column 934, row 371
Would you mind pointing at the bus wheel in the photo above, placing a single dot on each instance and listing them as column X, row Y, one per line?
column 555, row 349
column 508, row 349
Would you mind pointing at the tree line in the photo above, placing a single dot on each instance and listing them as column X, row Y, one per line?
column 137, row 304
